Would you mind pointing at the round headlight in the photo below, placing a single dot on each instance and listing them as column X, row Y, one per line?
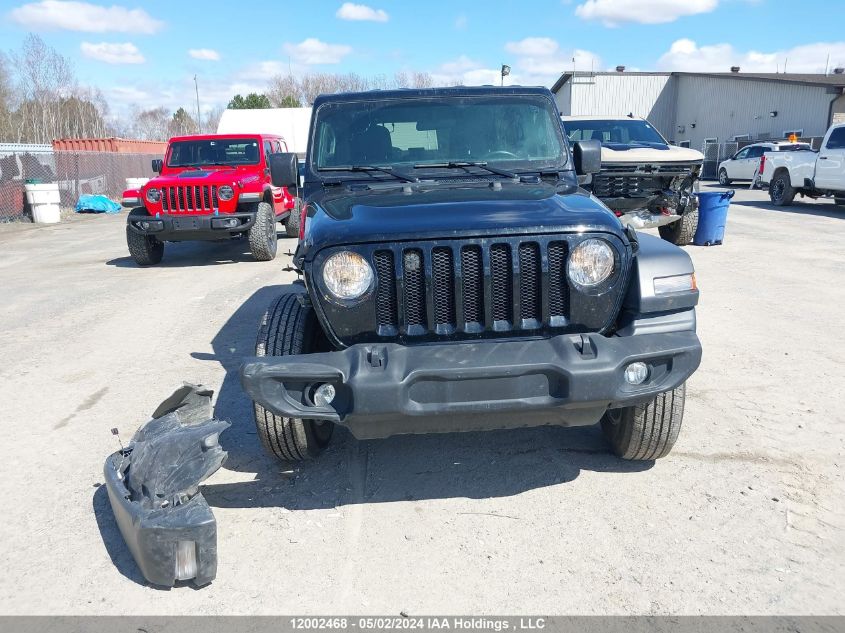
column 153, row 195
column 590, row 263
column 225, row 192
column 347, row 275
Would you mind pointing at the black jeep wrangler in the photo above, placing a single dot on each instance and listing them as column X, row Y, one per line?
column 456, row 278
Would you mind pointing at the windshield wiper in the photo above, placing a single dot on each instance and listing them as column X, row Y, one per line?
column 220, row 165
column 368, row 168
column 468, row 163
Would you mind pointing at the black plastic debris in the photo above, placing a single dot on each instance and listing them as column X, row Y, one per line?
column 153, row 486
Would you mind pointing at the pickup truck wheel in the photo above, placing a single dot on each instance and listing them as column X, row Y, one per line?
column 681, row 231
column 292, row 223
column 289, row 328
column 781, row 191
column 146, row 250
column 723, row 177
column 262, row 234
column 646, row 431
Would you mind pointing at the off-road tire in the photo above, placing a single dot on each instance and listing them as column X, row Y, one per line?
column 839, row 201
column 263, row 240
column 723, row 177
column 146, row 250
column 681, row 231
column 292, row 223
column 781, row 191
column 289, row 328
column 646, row 431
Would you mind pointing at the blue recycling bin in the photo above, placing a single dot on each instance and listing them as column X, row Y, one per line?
column 712, row 217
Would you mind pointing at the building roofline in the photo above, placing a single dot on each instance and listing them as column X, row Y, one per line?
column 805, row 79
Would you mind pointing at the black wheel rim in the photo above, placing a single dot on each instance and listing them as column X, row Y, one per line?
column 777, row 189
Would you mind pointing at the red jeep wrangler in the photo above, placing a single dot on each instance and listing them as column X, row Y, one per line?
column 211, row 187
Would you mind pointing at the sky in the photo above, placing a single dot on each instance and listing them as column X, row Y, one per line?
column 146, row 54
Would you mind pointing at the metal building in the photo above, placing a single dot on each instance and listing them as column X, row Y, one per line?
column 716, row 108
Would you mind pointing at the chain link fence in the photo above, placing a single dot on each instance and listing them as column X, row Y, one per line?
column 75, row 173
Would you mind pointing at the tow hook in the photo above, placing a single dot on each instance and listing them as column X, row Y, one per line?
column 153, row 485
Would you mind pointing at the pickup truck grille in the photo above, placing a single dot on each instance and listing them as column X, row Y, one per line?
column 189, row 199
column 476, row 288
column 631, row 181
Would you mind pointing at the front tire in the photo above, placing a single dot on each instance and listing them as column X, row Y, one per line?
column 289, row 328
column 646, row 431
column 146, row 250
column 263, row 240
column 681, row 231
column 781, row 191
column 723, row 177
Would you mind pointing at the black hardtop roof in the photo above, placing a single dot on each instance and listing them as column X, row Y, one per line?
column 452, row 91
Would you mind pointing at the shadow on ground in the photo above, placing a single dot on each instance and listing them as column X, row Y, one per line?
column 801, row 208
column 182, row 254
column 472, row 465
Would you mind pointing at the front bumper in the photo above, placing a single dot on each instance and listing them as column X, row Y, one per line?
column 389, row 389
column 153, row 488
column 174, row 228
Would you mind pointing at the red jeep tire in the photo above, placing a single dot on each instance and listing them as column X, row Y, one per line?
column 263, row 239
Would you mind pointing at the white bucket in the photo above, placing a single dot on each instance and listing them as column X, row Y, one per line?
column 44, row 201
column 136, row 183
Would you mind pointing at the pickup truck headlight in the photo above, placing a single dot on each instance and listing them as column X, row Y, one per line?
column 225, row 193
column 153, row 195
column 347, row 275
column 590, row 263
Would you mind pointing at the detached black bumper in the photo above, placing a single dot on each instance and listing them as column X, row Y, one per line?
column 174, row 228
column 389, row 389
column 153, row 488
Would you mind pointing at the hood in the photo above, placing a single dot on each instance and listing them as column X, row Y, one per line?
column 200, row 177
column 429, row 211
column 617, row 153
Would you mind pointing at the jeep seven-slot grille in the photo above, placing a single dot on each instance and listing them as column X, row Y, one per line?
column 193, row 198
column 471, row 287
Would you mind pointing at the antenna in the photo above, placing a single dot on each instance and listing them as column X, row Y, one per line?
column 827, row 65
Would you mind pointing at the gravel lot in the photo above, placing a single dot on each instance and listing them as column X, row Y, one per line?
column 745, row 516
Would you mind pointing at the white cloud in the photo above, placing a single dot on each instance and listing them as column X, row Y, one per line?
column 535, row 61
column 361, row 12
column 109, row 53
column 205, row 54
column 616, row 12
column 83, row 16
column 313, row 51
column 687, row 55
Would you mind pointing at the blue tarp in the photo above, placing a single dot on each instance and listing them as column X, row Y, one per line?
column 88, row 203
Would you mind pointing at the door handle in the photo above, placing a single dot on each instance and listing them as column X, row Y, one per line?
column 822, row 157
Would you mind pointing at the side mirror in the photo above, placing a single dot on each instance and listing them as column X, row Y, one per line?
column 587, row 156
column 284, row 169
column 157, row 163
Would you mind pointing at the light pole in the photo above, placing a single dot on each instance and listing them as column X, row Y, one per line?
column 506, row 70
column 197, row 88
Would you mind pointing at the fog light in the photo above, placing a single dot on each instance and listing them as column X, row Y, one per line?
column 636, row 373
column 231, row 223
column 324, row 394
column 145, row 226
column 186, row 560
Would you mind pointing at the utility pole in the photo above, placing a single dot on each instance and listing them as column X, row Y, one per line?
column 197, row 88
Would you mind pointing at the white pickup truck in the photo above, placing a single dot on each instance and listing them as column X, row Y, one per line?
column 810, row 174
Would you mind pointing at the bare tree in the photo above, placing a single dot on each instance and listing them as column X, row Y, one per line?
column 151, row 125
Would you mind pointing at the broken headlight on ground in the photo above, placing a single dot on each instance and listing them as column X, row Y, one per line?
column 153, row 487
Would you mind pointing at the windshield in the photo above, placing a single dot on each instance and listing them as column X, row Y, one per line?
column 610, row 132
column 219, row 151
column 517, row 129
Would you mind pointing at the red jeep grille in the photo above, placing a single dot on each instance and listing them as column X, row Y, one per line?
column 189, row 199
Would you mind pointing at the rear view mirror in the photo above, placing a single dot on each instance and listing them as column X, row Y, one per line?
column 284, row 169
column 157, row 163
column 587, row 157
